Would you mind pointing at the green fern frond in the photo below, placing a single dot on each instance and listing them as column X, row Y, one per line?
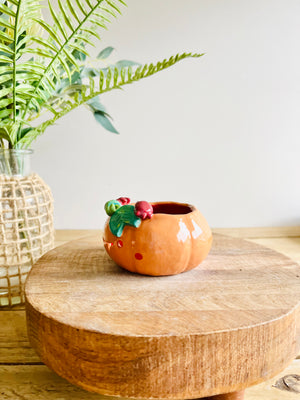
column 74, row 23
column 53, row 79
column 16, row 17
column 86, row 14
column 113, row 78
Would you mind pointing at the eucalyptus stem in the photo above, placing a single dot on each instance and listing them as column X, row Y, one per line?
column 7, row 163
column 15, row 164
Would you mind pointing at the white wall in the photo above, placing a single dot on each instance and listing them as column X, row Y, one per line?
column 221, row 132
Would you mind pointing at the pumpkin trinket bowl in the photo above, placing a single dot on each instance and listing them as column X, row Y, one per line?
column 162, row 238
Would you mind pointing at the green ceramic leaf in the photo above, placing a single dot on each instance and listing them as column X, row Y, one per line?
column 123, row 216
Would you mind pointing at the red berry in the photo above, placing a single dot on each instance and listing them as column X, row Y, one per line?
column 143, row 209
column 124, row 200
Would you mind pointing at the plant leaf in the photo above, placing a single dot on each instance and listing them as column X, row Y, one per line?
column 66, row 17
column 95, row 104
column 126, row 63
column 102, row 119
column 105, row 53
column 73, row 10
column 4, row 134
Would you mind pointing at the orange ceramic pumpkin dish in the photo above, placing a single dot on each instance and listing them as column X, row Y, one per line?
column 163, row 238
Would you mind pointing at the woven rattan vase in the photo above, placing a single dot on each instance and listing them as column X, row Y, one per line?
column 26, row 223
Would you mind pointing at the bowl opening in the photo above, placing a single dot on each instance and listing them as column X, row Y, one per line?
column 171, row 208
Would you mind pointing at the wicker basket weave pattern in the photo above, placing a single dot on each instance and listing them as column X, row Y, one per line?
column 26, row 231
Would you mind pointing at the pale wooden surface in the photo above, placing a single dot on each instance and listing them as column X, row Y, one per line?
column 22, row 376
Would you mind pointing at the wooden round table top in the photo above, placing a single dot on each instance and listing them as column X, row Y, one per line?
column 230, row 323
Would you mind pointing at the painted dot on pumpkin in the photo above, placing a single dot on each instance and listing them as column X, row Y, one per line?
column 120, row 243
column 107, row 243
column 138, row 256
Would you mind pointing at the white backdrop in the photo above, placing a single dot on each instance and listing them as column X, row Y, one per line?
column 221, row 132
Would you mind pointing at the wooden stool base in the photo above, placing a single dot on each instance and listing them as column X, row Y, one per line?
column 227, row 396
column 122, row 334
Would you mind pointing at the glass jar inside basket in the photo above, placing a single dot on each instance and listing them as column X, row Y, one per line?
column 26, row 222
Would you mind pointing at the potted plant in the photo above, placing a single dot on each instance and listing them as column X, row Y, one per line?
column 43, row 76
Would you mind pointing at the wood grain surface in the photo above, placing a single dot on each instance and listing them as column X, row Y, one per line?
column 228, row 324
